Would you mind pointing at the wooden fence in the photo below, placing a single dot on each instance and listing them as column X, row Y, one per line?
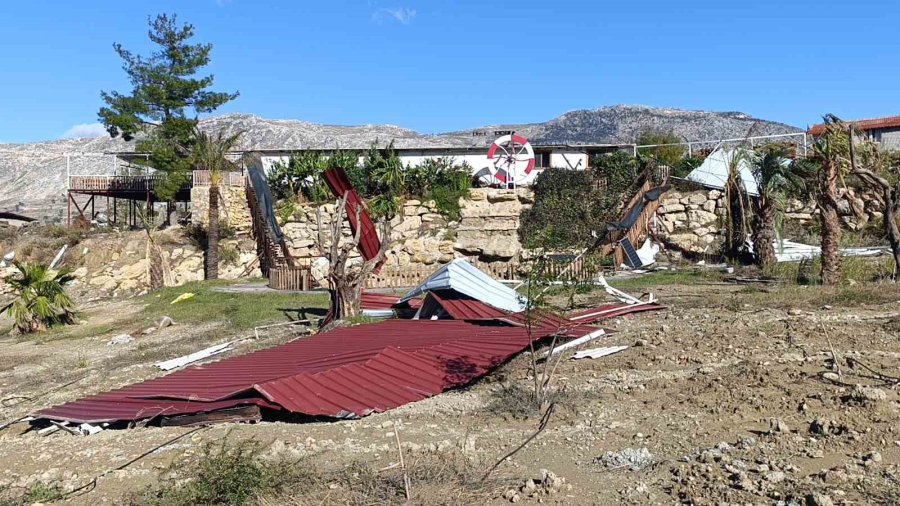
column 289, row 278
column 583, row 270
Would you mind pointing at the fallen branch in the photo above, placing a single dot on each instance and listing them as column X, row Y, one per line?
column 402, row 464
column 543, row 425
column 834, row 358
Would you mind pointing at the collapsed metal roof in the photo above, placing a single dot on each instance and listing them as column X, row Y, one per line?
column 344, row 373
column 461, row 276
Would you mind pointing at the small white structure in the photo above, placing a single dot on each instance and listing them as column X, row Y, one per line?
column 713, row 172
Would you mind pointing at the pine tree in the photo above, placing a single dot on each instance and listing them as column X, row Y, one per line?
column 166, row 91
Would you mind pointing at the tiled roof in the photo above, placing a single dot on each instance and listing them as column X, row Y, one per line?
column 862, row 124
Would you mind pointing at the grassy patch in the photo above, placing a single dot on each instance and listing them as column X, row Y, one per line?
column 240, row 310
column 859, row 269
column 73, row 331
column 658, row 278
column 241, row 473
column 38, row 493
column 811, row 297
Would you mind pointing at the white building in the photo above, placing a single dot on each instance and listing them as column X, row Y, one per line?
column 563, row 156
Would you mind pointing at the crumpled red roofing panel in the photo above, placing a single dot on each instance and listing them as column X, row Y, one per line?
column 369, row 244
column 605, row 311
column 346, row 372
column 462, row 307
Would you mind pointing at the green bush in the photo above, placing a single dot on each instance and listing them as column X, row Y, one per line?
column 380, row 178
column 384, row 206
column 572, row 208
column 301, row 177
column 684, row 166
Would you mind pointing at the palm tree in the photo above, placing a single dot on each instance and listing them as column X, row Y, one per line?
column 831, row 156
column 386, row 168
column 736, row 205
column 210, row 154
column 41, row 299
column 774, row 179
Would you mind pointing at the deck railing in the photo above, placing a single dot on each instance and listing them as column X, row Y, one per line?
column 114, row 183
column 228, row 178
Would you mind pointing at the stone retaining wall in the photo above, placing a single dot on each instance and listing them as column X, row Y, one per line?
column 233, row 209
column 692, row 221
column 487, row 230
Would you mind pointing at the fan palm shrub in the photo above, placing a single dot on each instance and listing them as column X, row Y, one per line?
column 41, row 299
column 775, row 179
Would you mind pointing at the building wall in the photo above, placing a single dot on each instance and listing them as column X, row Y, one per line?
column 889, row 138
column 478, row 160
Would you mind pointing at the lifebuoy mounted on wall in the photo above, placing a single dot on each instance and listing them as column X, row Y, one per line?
column 512, row 158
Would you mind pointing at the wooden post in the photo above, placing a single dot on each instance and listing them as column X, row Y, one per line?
column 69, row 208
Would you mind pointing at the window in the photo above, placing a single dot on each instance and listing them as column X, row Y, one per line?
column 542, row 159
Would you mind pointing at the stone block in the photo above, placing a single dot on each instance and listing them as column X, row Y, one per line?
column 701, row 217
column 671, row 208
column 697, row 198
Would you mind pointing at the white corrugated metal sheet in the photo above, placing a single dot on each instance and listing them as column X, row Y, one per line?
column 713, row 172
column 790, row 251
column 461, row 276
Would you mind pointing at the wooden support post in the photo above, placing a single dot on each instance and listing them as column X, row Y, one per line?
column 69, row 210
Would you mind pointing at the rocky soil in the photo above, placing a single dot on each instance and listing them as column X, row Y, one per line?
column 734, row 395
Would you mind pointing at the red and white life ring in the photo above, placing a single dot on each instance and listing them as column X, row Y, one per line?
column 512, row 158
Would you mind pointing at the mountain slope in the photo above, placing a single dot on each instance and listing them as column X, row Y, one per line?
column 32, row 176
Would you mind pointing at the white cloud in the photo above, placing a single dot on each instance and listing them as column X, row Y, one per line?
column 400, row 14
column 84, row 130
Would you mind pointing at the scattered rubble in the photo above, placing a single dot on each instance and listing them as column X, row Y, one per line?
column 120, row 339
column 632, row 458
column 547, row 485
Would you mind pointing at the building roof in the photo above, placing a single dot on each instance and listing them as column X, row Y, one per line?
column 862, row 124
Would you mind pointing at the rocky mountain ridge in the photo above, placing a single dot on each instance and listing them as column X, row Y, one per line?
column 33, row 176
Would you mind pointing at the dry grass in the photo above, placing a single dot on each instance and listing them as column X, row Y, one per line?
column 243, row 474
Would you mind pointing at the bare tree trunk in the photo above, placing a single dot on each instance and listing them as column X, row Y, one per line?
column 212, row 243
column 892, row 207
column 347, row 298
column 347, row 283
column 891, row 197
column 831, row 226
column 764, row 235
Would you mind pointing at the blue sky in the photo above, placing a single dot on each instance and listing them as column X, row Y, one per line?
column 443, row 65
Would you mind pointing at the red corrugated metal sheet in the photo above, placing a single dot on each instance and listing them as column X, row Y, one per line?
column 384, row 301
column 349, row 371
column 863, row 124
column 369, row 244
column 605, row 311
column 462, row 307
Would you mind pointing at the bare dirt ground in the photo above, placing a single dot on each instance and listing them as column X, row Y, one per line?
column 731, row 396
